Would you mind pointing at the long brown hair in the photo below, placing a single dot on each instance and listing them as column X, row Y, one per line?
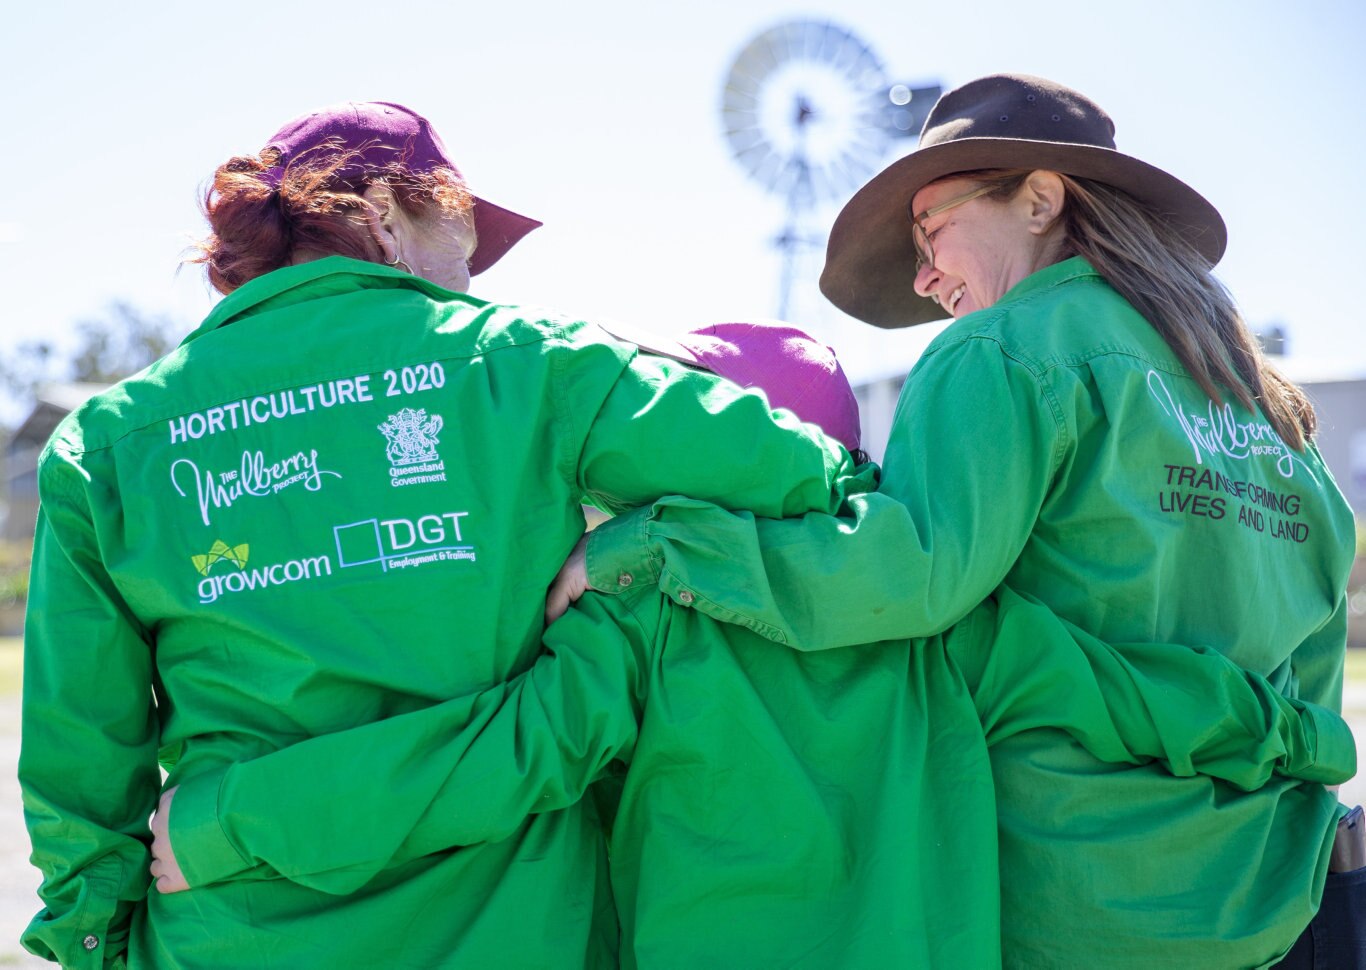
column 257, row 227
column 1154, row 266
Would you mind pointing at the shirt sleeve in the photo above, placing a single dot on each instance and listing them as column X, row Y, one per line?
column 465, row 771
column 1190, row 708
column 976, row 443
column 665, row 428
column 1317, row 663
column 88, row 767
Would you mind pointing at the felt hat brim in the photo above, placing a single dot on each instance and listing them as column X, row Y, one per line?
column 870, row 265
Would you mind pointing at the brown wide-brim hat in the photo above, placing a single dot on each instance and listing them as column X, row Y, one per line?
column 1000, row 121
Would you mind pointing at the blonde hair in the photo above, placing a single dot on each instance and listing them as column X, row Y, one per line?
column 1152, row 264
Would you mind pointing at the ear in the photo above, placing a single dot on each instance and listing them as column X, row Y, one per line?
column 379, row 217
column 1043, row 193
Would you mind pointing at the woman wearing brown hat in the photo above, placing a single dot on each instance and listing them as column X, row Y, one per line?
column 1098, row 429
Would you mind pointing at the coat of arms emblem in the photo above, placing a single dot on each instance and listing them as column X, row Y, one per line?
column 412, row 437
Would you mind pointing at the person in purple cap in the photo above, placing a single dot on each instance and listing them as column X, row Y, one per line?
column 340, row 500
column 794, row 371
column 368, row 180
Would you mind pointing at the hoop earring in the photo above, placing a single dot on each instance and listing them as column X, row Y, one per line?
column 397, row 263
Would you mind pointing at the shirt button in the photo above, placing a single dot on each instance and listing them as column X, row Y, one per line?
column 685, row 598
column 91, row 941
column 624, row 580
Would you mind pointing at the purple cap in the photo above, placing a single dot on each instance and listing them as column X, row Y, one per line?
column 793, row 369
column 384, row 133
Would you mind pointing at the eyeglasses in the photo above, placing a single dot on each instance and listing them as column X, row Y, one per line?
column 924, row 252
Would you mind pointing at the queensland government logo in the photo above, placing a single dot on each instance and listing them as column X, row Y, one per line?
column 413, row 459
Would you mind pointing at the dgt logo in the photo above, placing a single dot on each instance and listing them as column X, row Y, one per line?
column 399, row 543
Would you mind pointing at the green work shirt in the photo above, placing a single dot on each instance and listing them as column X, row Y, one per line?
column 342, row 499
column 1053, row 441
column 830, row 809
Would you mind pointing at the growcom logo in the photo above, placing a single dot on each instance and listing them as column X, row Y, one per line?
column 241, row 580
column 221, row 552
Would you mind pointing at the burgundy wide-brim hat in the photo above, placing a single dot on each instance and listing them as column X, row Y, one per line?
column 382, row 133
column 1000, row 121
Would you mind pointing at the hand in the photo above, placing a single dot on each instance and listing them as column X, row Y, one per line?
column 165, row 870
column 570, row 582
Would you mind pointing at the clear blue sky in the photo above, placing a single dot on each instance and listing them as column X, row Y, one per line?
column 602, row 118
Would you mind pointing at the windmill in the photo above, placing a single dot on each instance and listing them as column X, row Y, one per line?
column 809, row 114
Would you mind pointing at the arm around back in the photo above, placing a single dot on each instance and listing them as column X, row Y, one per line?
column 88, row 768
column 976, row 441
column 668, row 429
column 465, row 771
column 1188, row 707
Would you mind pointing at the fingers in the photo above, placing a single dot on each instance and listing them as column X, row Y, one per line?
column 167, row 877
column 555, row 605
column 160, row 823
column 569, row 584
column 167, row 884
column 166, row 874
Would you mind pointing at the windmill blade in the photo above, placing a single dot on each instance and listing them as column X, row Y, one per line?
column 809, row 97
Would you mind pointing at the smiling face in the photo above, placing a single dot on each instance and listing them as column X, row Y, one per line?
column 985, row 246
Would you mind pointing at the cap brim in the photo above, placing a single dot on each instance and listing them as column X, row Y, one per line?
column 870, row 258
column 497, row 230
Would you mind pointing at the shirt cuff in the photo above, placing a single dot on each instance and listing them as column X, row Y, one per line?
column 617, row 556
column 202, row 848
column 1335, row 754
column 92, row 934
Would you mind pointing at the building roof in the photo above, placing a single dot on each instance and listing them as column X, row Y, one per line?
column 51, row 403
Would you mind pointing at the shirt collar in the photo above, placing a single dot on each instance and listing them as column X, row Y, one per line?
column 1064, row 272
column 293, row 284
